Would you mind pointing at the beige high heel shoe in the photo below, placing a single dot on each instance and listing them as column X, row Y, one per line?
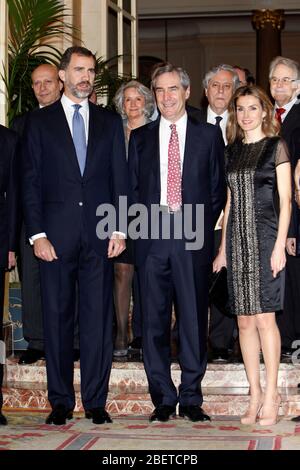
column 252, row 412
column 269, row 412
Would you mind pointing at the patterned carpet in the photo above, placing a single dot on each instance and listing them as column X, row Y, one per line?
column 27, row 431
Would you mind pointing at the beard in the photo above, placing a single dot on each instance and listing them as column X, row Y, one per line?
column 81, row 93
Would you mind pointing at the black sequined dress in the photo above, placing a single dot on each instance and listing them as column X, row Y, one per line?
column 252, row 225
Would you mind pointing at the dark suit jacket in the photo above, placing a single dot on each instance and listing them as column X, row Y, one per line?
column 19, row 123
column 9, row 194
column 289, row 131
column 202, row 179
column 56, row 198
column 291, row 122
column 198, row 113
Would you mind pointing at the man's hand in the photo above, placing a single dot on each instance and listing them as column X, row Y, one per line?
column 44, row 250
column 291, row 246
column 11, row 259
column 116, row 245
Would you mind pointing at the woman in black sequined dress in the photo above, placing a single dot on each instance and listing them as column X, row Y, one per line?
column 256, row 222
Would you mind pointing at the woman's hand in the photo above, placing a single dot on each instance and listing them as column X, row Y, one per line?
column 278, row 259
column 219, row 262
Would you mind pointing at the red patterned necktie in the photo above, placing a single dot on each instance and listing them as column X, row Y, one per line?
column 278, row 113
column 174, row 196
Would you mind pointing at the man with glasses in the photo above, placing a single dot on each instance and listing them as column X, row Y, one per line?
column 219, row 84
column 285, row 86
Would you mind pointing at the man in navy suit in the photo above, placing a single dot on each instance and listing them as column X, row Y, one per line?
column 74, row 161
column 47, row 89
column 8, row 226
column 167, row 267
column 284, row 78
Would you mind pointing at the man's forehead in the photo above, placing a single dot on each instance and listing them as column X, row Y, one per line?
column 222, row 76
column 81, row 60
column 45, row 71
column 168, row 78
column 283, row 69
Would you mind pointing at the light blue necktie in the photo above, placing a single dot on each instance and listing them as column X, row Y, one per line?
column 79, row 137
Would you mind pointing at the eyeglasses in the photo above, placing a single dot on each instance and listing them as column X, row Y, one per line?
column 284, row 80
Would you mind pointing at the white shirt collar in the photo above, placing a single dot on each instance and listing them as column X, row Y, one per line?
column 69, row 103
column 211, row 115
column 287, row 107
column 179, row 124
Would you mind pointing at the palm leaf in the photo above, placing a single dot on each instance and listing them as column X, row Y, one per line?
column 34, row 26
column 107, row 79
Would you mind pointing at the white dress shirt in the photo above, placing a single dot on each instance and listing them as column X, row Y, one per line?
column 287, row 108
column 211, row 118
column 68, row 104
column 164, row 138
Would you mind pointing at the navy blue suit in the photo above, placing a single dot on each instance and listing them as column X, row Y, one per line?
column 288, row 321
column 167, row 269
column 9, row 213
column 62, row 203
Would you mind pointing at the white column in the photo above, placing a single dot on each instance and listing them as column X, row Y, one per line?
column 3, row 60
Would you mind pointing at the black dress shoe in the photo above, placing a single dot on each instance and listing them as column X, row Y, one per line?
column 136, row 344
column 163, row 413
column 59, row 415
column 220, row 356
column 193, row 413
column 30, row 356
column 98, row 415
column 3, row 420
column 296, row 419
column 76, row 355
column 287, row 352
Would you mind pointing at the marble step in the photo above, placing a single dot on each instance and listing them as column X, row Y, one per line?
column 130, row 377
column 225, row 388
column 217, row 400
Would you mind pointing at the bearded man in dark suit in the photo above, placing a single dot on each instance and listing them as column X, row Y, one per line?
column 74, row 161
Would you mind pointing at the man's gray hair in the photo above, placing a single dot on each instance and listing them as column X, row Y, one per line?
column 142, row 90
column 219, row 68
column 291, row 64
column 166, row 67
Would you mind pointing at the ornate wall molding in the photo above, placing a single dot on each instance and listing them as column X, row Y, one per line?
column 263, row 18
column 169, row 8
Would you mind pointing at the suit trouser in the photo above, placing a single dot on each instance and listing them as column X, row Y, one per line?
column 221, row 327
column 169, row 266
column 32, row 315
column 136, row 321
column 289, row 320
column 2, row 282
column 94, row 275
